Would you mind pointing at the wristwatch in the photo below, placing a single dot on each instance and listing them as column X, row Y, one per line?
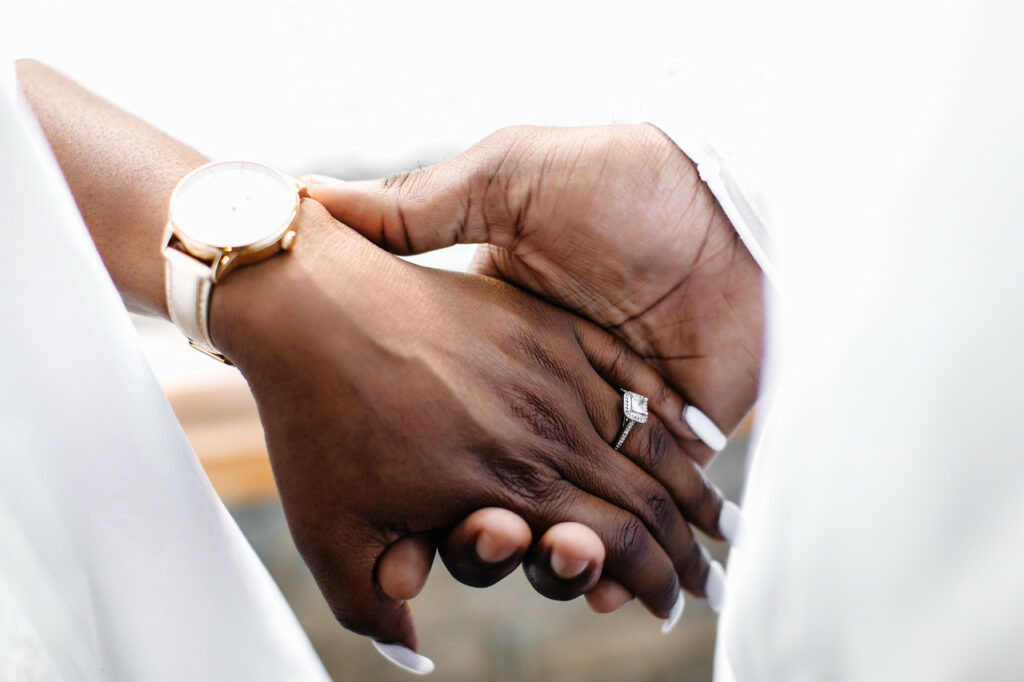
column 223, row 215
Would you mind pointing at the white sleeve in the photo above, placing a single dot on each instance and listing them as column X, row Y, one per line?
column 667, row 106
column 750, row 226
column 119, row 561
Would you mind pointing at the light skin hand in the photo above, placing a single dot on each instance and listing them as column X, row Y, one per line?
column 612, row 222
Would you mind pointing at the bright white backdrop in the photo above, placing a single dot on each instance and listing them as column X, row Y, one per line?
column 351, row 85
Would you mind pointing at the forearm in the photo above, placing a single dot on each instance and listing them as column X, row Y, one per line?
column 121, row 172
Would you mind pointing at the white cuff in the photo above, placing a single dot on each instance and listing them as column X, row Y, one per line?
column 752, row 230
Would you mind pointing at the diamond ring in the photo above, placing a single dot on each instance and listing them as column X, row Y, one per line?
column 634, row 411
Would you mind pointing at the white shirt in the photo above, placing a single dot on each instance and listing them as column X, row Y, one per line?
column 119, row 561
column 880, row 146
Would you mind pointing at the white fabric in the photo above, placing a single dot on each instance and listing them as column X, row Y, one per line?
column 118, row 561
column 884, row 507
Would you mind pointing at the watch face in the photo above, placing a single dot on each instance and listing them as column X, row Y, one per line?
column 233, row 204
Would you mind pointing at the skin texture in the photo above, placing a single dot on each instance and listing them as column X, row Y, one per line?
column 612, row 222
column 445, row 382
column 397, row 400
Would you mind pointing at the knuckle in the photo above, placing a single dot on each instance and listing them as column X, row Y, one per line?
column 694, row 568
column 525, row 477
column 525, row 342
column 540, row 418
column 661, row 509
column 656, row 450
column 618, row 357
column 631, row 540
column 661, row 394
column 399, row 181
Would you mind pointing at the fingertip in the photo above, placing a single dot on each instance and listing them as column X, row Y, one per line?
column 674, row 615
column 404, row 567
column 730, row 522
column 572, row 543
column 714, row 587
column 492, row 549
column 608, row 595
column 500, row 533
column 705, row 429
column 486, row 546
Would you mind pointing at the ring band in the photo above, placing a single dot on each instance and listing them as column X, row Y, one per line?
column 634, row 411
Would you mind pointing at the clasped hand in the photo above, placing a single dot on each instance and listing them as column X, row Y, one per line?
column 399, row 401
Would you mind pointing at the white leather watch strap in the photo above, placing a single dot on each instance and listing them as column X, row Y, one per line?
column 189, row 283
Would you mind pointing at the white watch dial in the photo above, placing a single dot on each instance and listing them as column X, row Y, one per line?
column 233, row 204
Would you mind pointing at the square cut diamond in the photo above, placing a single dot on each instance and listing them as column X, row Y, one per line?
column 634, row 406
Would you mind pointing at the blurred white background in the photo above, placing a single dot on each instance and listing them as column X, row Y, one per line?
column 351, row 85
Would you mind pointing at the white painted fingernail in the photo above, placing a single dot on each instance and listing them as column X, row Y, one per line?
column 714, row 588
column 674, row 614
column 730, row 522
column 704, row 428
column 566, row 569
column 405, row 658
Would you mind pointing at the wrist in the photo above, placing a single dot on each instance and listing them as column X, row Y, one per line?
column 255, row 310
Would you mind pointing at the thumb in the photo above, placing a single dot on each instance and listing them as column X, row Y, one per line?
column 466, row 200
column 347, row 578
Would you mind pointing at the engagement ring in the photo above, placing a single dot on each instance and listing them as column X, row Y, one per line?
column 634, row 411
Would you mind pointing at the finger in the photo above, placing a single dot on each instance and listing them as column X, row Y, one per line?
column 344, row 566
column 622, row 368
column 633, row 556
column 456, row 201
column 403, row 568
column 608, row 595
column 566, row 562
column 612, row 477
column 651, row 444
column 487, row 546
column 651, row 447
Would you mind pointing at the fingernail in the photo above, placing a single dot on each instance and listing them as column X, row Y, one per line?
column 490, row 550
column 704, row 428
column 405, row 658
column 730, row 522
column 674, row 614
column 714, row 588
column 567, row 569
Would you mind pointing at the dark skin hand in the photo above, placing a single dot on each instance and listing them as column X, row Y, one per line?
column 397, row 400
column 433, row 399
column 612, row 222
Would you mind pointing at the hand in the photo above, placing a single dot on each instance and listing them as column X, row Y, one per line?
column 611, row 222
column 397, row 399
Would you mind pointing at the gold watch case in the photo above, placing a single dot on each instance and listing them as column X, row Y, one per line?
column 224, row 259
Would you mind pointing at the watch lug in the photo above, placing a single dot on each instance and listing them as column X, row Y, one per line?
column 288, row 240
column 223, row 265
